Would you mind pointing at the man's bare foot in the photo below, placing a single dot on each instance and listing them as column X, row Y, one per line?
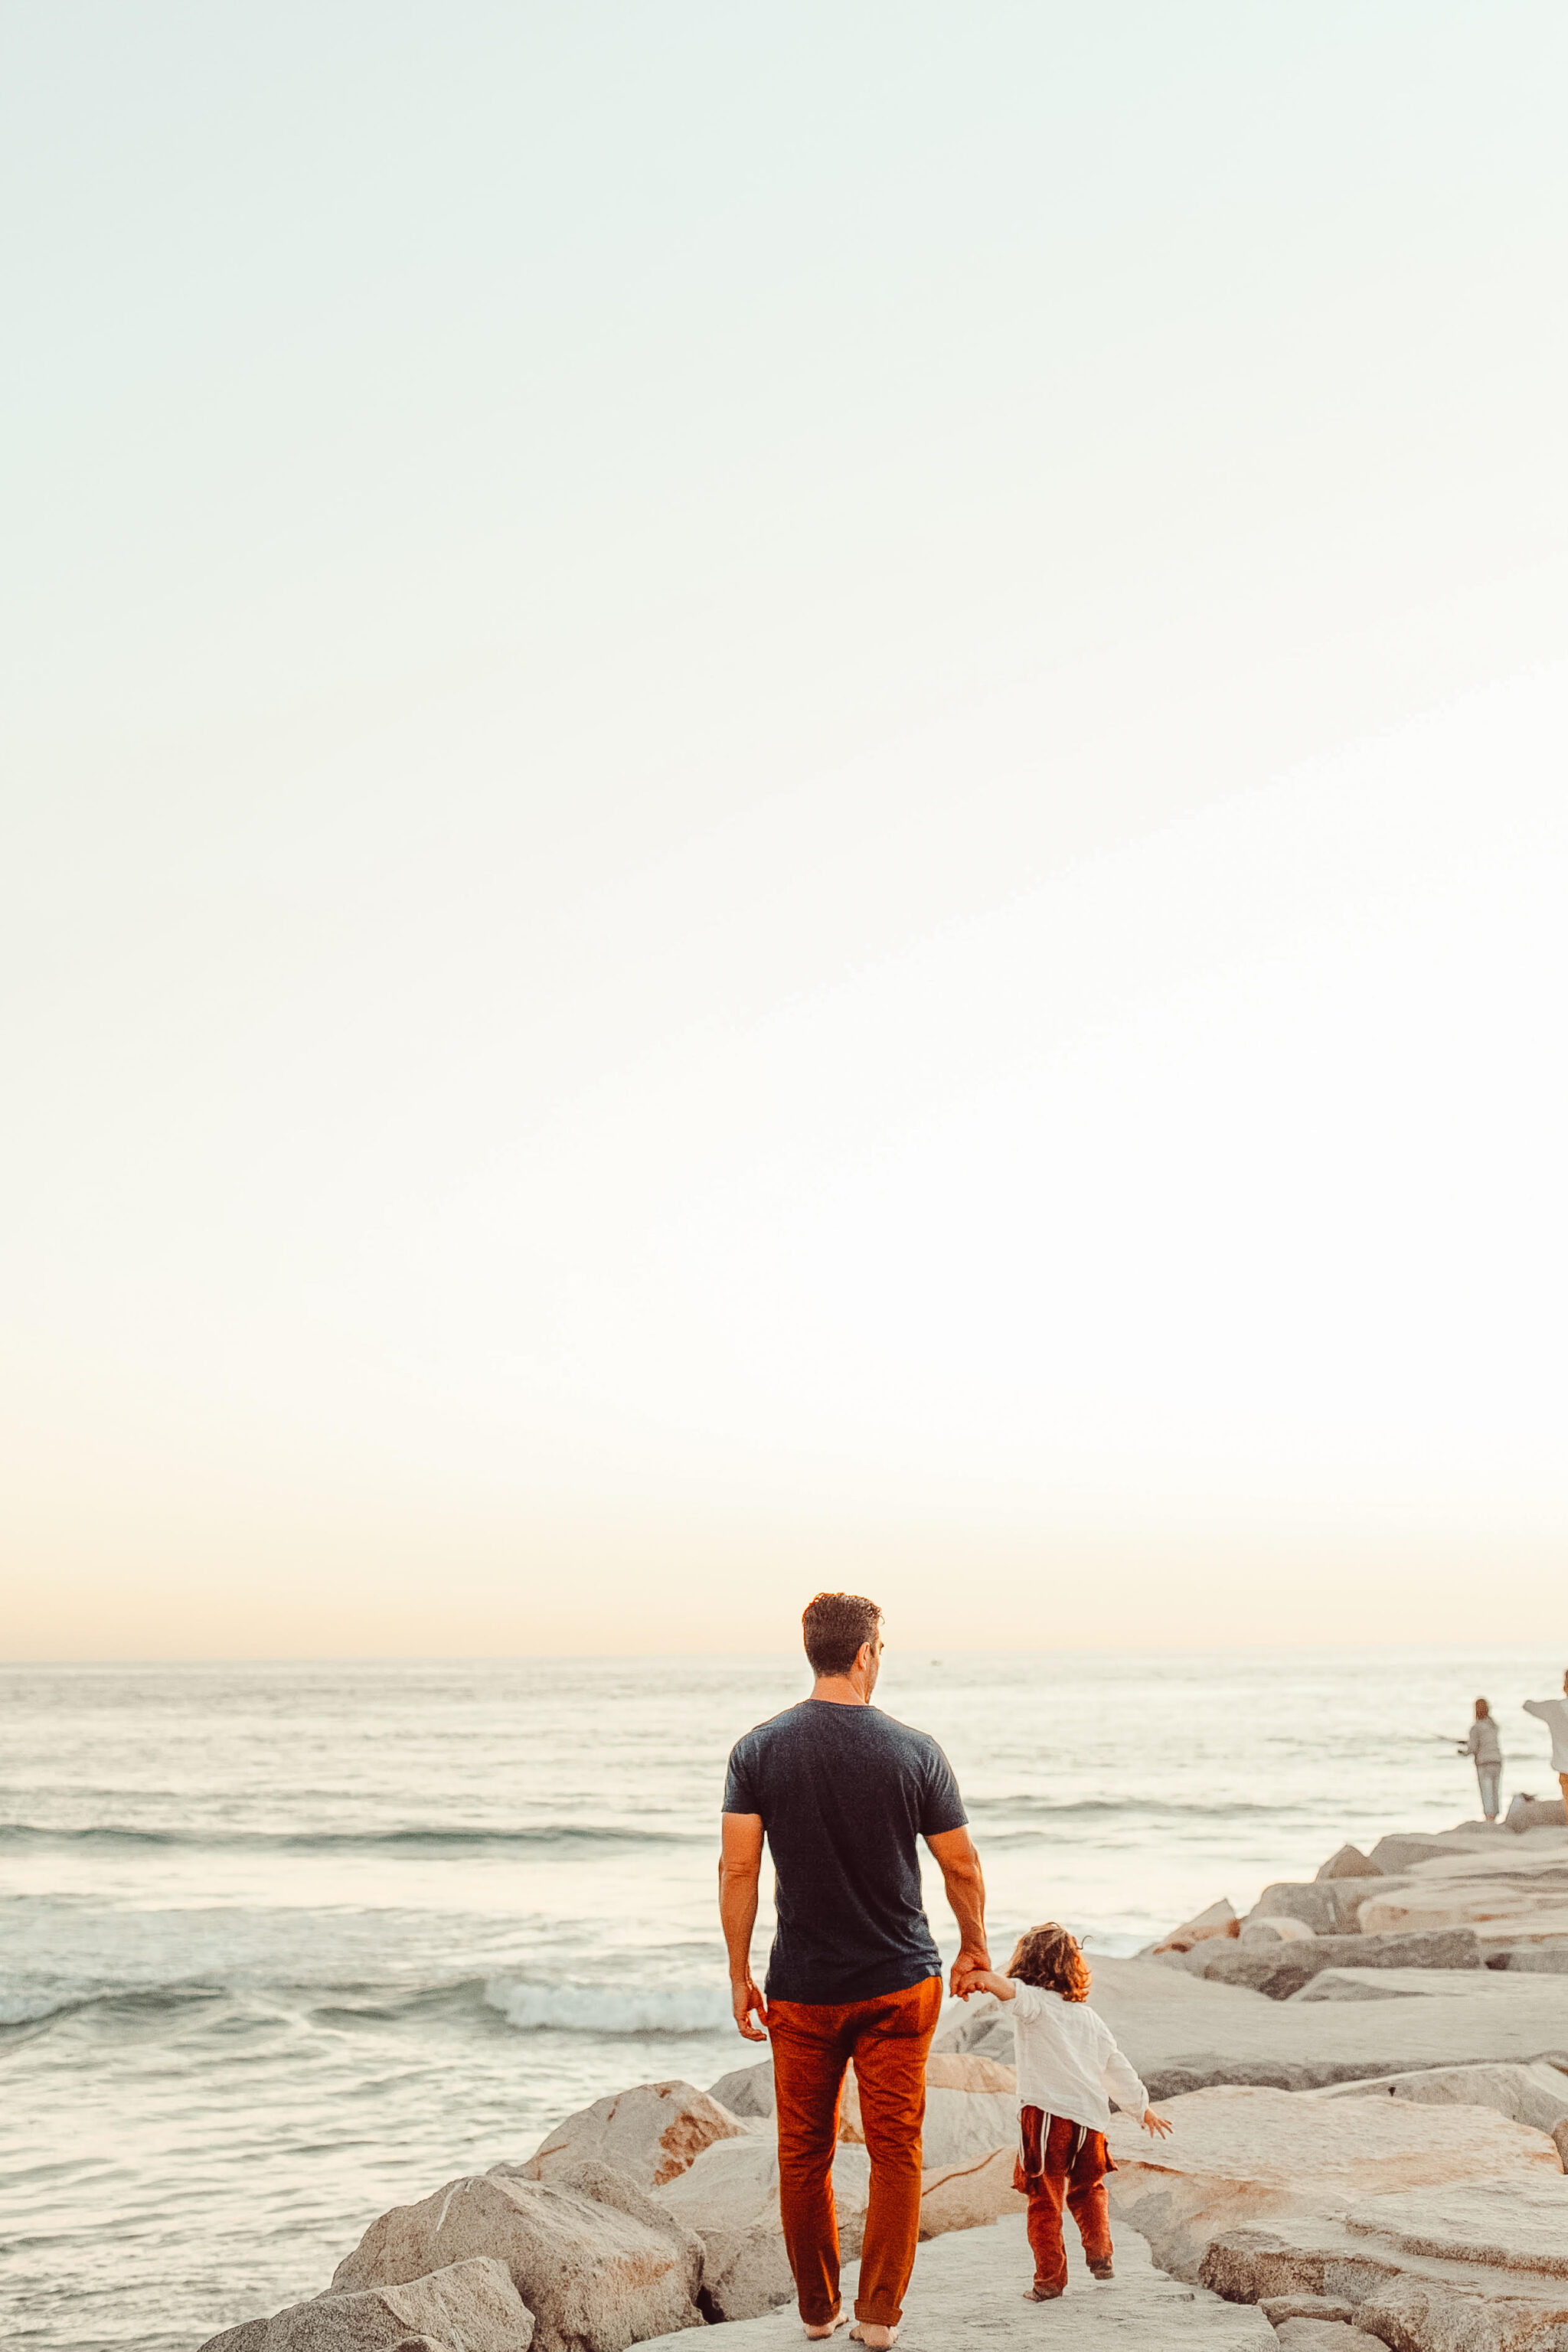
column 829, row 2327
column 876, row 2339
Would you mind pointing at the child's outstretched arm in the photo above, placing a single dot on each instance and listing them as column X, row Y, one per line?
column 1122, row 2080
column 988, row 1980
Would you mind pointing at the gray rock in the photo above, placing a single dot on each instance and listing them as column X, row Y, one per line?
column 1237, row 2154
column 967, row 2292
column 1218, row 1920
column 1536, row 2095
column 730, row 2197
column 1415, row 2302
column 1280, row 1970
column 985, row 2030
column 1277, row 2308
column 606, row 2186
column 1328, row 1907
column 1519, row 2223
column 1185, row 2033
column 652, row 2132
column 1320, row 2336
column 1536, row 1959
column 1351, row 1863
column 1398, row 1852
column 470, row 2303
column 595, row 2276
column 1537, row 1814
column 1395, row 1981
column 748, row 2092
column 1314, row 1901
column 1265, row 2263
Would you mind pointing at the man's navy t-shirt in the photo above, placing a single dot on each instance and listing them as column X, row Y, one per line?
column 845, row 1793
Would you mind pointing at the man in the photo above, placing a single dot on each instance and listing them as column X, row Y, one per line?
column 1554, row 1713
column 842, row 1793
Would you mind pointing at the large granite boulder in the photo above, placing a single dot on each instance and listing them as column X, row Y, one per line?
column 1264, row 1933
column 982, row 2028
column 1184, row 2032
column 1504, row 1910
column 1328, row 1907
column 651, row 2132
column 1509, row 2223
column 1279, row 2309
column 967, row 2070
column 598, row 2264
column 1349, row 1862
column 1537, row 1814
column 1244, row 2155
column 1395, row 1982
column 746, row 2092
column 1405, row 1847
column 1469, row 2266
column 729, row 2198
column 1218, row 1920
column 471, row 2303
column 1535, row 2095
column 1281, row 1968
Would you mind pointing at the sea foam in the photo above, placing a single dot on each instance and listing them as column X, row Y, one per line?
column 609, row 2009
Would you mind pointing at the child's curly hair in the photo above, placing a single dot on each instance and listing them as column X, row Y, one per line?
column 1048, row 1956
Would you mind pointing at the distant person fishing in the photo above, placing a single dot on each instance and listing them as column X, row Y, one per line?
column 1484, row 1744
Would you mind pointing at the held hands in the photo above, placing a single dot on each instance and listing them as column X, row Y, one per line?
column 988, row 1980
column 1157, row 2126
column 744, row 1996
column 973, row 1961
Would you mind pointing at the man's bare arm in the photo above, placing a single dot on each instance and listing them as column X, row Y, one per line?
column 966, row 1883
column 740, row 1867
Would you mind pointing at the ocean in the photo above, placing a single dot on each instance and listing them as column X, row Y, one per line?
column 281, row 1946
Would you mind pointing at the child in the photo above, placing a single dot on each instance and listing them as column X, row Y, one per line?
column 1068, row 2061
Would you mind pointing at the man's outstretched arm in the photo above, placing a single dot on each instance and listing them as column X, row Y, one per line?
column 740, row 1867
column 966, row 1883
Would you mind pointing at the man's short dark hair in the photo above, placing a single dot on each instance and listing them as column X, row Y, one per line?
column 835, row 1625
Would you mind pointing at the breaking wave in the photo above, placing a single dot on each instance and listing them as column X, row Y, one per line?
column 609, row 2009
column 529, row 2008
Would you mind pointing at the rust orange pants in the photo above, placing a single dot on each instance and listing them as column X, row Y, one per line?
column 1064, row 2170
column 813, row 2042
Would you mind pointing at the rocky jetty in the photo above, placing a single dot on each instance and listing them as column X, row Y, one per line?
column 1368, row 2080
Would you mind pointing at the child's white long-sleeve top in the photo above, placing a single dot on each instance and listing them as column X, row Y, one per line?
column 1068, row 2063
column 1553, row 1714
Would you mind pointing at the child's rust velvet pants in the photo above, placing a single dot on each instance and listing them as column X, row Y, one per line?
column 1066, row 2166
column 812, row 2043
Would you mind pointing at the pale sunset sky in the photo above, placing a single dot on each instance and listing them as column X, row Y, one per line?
column 786, row 802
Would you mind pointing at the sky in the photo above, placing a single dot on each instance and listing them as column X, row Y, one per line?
column 784, row 805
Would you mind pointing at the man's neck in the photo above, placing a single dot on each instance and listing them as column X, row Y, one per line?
column 839, row 1690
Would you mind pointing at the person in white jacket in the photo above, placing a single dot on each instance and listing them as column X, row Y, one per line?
column 1553, row 1714
column 1069, row 2070
column 1485, row 1745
